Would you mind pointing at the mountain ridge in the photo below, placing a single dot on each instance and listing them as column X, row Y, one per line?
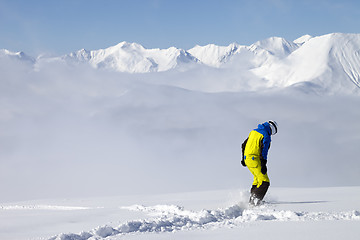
column 330, row 62
column 133, row 58
column 4, row 53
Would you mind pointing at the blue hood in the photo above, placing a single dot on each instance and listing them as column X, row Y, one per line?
column 264, row 129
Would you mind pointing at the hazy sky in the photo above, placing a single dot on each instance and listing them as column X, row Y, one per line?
column 59, row 27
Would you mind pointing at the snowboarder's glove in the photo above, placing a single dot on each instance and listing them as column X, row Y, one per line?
column 263, row 169
column 243, row 163
column 263, row 166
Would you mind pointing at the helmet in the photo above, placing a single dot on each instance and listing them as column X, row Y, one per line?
column 273, row 127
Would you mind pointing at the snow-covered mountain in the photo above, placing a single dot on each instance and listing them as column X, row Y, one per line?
column 257, row 53
column 4, row 53
column 276, row 46
column 214, row 55
column 134, row 58
column 328, row 63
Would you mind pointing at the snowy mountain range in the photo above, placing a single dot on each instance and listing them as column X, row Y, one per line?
column 325, row 63
column 132, row 57
column 4, row 53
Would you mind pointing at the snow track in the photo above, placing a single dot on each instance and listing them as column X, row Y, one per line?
column 42, row 207
column 170, row 218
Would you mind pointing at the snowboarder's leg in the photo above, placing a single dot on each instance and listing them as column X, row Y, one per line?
column 260, row 185
column 252, row 194
column 252, row 190
column 261, row 190
column 253, row 187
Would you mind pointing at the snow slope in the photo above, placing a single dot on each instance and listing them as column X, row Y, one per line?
column 278, row 47
column 331, row 62
column 200, row 215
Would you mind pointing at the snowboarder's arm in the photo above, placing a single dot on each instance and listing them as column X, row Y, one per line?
column 264, row 148
column 263, row 166
column 243, row 145
column 265, row 145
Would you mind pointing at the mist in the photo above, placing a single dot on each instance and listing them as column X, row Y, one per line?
column 70, row 131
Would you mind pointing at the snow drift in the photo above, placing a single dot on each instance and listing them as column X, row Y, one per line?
column 174, row 218
column 300, row 212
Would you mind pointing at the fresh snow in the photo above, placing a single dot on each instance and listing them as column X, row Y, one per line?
column 189, row 214
column 40, row 207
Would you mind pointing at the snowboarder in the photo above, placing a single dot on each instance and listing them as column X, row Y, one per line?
column 254, row 156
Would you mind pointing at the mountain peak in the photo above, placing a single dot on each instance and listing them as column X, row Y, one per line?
column 16, row 55
column 127, row 45
column 214, row 55
column 276, row 46
column 303, row 39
